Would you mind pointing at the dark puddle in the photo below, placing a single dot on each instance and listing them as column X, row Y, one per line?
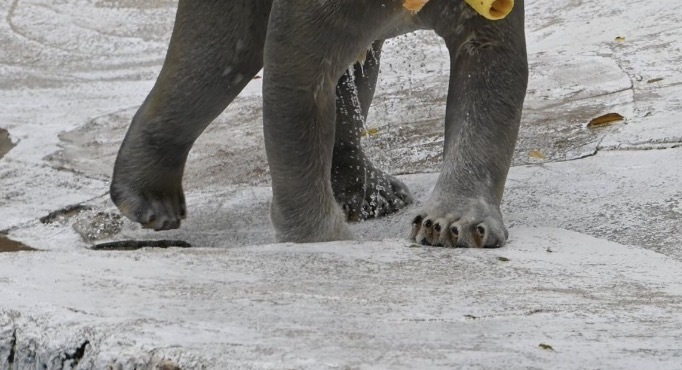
column 5, row 143
column 9, row 245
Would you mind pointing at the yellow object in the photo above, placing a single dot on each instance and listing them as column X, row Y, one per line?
column 414, row 5
column 491, row 9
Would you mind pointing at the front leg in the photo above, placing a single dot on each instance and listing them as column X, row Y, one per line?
column 215, row 50
column 489, row 73
column 308, row 47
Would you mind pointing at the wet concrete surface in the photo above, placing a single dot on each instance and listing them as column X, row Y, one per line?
column 75, row 116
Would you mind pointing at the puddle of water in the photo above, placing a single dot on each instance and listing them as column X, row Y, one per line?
column 5, row 142
column 9, row 245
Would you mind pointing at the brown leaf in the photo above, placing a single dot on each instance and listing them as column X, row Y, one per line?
column 537, row 154
column 369, row 132
column 605, row 120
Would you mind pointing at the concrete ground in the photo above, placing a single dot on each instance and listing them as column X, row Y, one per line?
column 589, row 279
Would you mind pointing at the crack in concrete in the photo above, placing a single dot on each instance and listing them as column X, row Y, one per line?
column 12, row 350
column 69, row 360
column 643, row 146
column 631, row 147
column 76, row 356
column 567, row 101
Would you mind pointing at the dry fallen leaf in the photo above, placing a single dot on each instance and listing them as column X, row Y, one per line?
column 370, row 132
column 620, row 39
column 605, row 120
column 654, row 80
column 546, row 347
column 536, row 154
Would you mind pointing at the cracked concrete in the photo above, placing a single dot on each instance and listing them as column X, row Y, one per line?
column 605, row 294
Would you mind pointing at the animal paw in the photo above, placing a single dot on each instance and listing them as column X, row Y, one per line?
column 477, row 227
column 365, row 192
column 149, row 200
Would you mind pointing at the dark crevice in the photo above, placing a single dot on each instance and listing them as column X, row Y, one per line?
column 76, row 356
column 130, row 245
column 12, row 350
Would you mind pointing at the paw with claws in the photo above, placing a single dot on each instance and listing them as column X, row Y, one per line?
column 148, row 193
column 473, row 229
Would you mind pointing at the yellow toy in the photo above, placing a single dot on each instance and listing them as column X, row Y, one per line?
column 491, row 9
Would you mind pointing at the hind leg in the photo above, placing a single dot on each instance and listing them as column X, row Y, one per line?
column 488, row 78
column 308, row 47
column 215, row 50
column 362, row 190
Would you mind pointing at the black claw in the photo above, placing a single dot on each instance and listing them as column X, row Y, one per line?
column 496, row 245
column 454, row 230
column 417, row 220
column 428, row 223
column 424, row 242
column 480, row 230
column 437, row 227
